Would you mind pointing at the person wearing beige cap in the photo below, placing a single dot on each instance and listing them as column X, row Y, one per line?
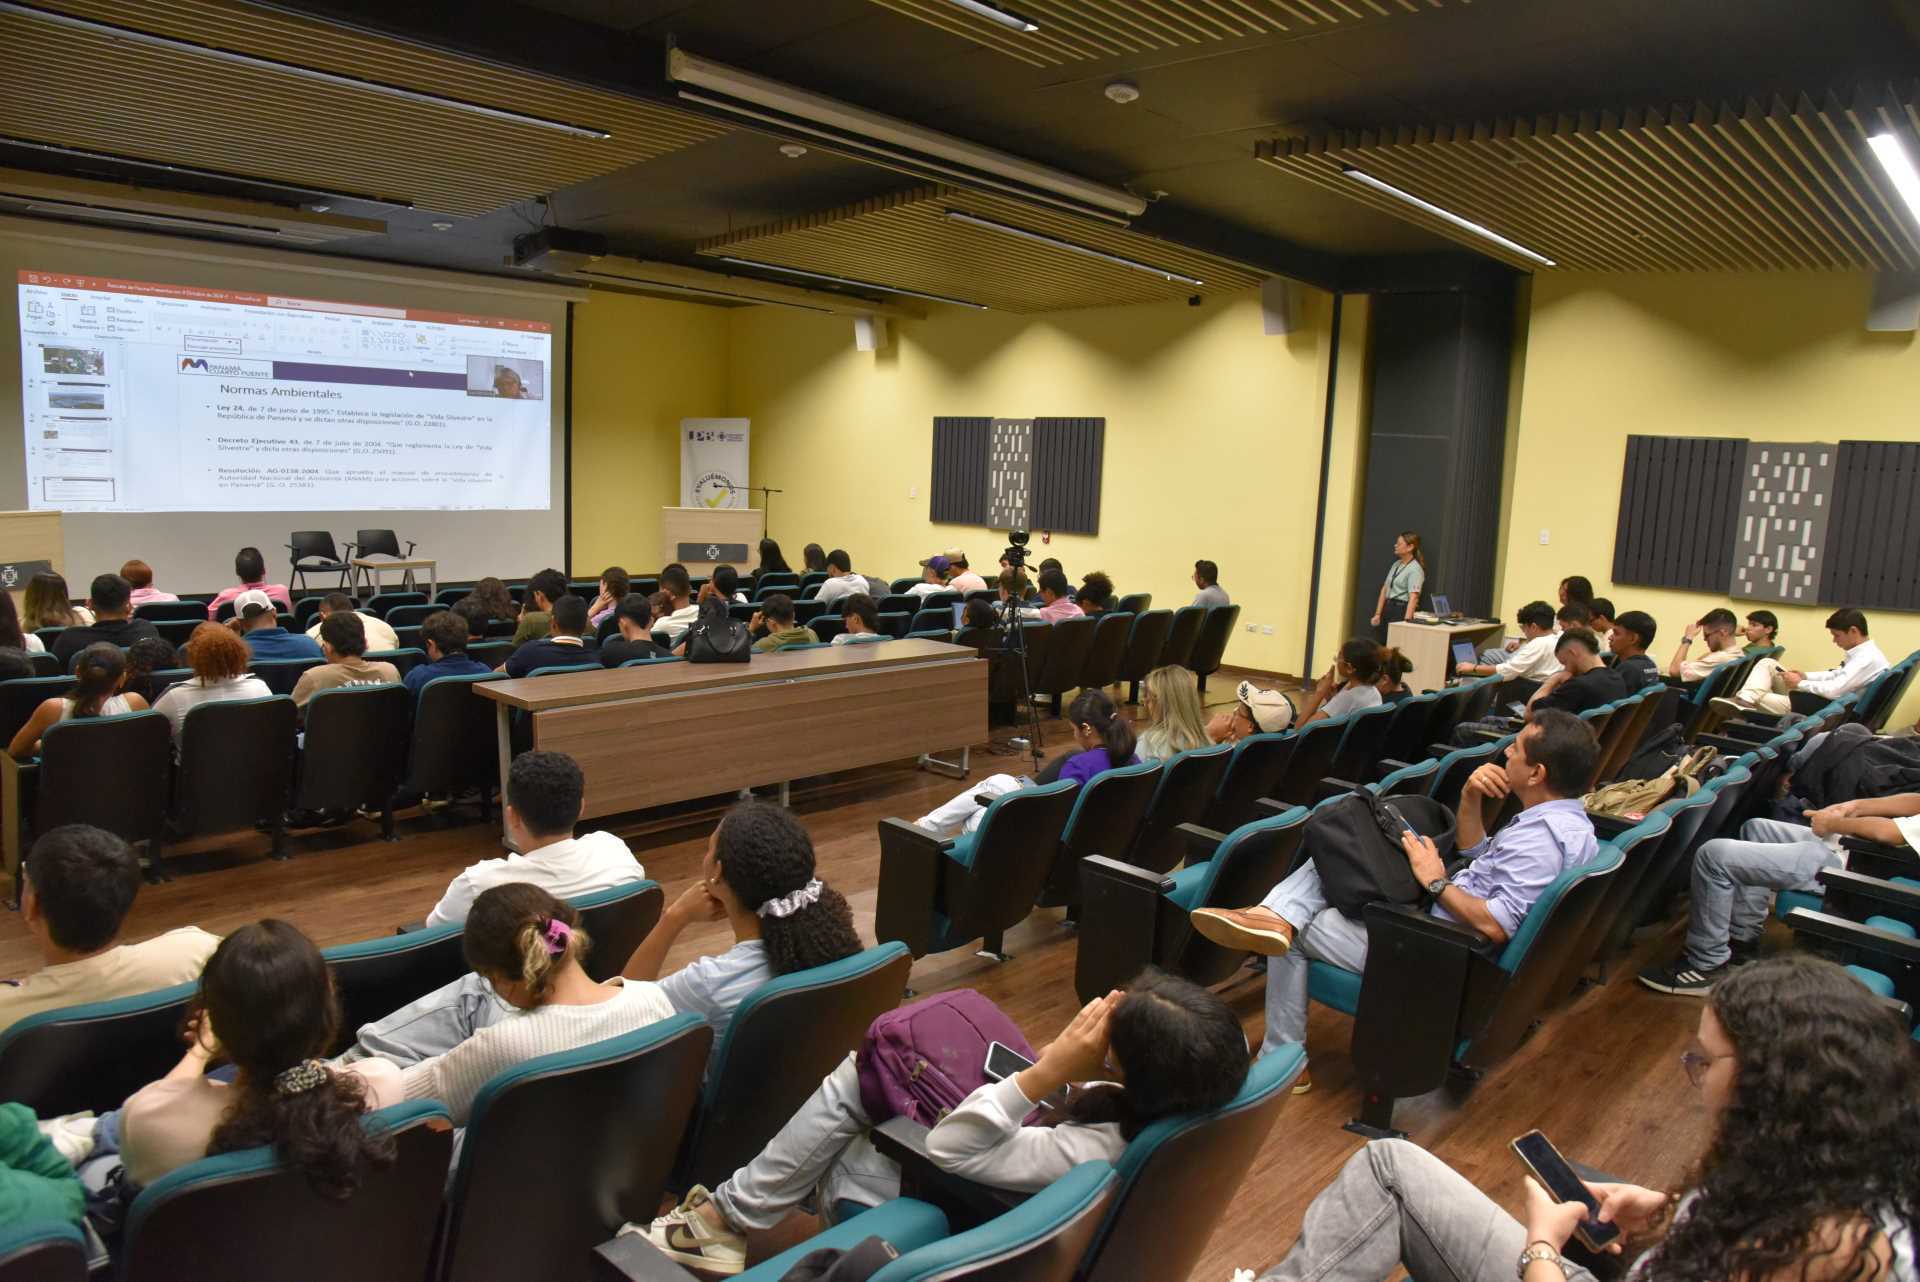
column 964, row 579
column 1254, row 711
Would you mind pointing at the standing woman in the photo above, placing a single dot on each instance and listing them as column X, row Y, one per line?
column 1400, row 594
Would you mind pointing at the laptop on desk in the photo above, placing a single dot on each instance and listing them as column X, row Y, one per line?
column 1441, row 606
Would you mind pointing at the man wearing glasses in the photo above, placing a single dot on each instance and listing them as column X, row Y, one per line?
column 1734, row 882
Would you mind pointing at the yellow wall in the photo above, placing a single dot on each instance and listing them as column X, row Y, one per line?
column 640, row 365
column 1776, row 357
column 1213, row 439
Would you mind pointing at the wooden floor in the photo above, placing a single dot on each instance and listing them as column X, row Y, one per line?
column 1602, row 1077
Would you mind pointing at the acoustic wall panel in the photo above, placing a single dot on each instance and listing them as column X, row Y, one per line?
column 1872, row 556
column 1010, row 474
column 959, row 489
column 1781, row 534
column 1679, row 497
column 1067, row 456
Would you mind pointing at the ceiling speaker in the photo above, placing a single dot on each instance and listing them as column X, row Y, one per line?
column 1279, row 305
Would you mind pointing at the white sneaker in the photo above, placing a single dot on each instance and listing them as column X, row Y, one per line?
column 684, row 1236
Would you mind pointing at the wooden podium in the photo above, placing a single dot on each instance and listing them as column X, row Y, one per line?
column 703, row 537
column 29, row 543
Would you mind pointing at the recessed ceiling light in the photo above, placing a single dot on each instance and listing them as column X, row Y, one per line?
column 1447, row 215
column 1122, row 91
column 993, row 13
column 1893, row 158
column 792, row 150
column 443, row 226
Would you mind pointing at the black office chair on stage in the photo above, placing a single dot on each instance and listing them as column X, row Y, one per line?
column 313, row 552
column 380, row 543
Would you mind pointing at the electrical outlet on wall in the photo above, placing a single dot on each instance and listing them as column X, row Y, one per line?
column 1266, row 629
column 913, row 491
column 1543, row 538
column 1253, row 627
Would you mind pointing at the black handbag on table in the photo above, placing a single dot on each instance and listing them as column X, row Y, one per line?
column 715, row 637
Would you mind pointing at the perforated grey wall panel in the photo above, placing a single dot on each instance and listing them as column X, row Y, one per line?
column 1780, row 538
column 1010, row 474
column 1067, row 459
column 959, row 489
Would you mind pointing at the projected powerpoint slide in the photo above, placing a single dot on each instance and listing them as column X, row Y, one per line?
column 148, row 397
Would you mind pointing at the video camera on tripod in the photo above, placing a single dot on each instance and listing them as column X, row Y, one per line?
column 1014, row 559
column 1015, row 556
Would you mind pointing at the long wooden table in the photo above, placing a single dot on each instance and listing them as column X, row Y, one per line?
column 667, row 732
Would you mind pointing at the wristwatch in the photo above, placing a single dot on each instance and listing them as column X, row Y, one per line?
column 1437, row 885
column 1538, row 1251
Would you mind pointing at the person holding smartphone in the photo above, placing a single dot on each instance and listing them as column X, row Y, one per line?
column 1812, row 1175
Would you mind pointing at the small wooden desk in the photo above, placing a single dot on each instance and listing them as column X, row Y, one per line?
column 668, row 732
column 1429, row 647
column 371, row 566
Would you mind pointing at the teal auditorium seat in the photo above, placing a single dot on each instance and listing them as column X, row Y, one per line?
column 1253, row 773
column 1134, row 917
column 94, row 1055
column 806, row 1022
column 1435, row 993
column 1105, row 820
column 617, row 919
column 1193, row 1161
column 375, row 977
column 562, row 1149
column 43, row 1253
column 937, row 895
column 1187, row 786
column 242, row 1216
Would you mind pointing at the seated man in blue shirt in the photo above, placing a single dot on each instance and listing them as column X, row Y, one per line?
column 445, row 636
column 259, row 624
column 1548, row 766
column 565, row 645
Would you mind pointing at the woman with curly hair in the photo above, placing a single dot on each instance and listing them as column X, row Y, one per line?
column 1812, row 1175
column 219, row 660
column 758, row 876
column 493, row 599
column 267, row 1005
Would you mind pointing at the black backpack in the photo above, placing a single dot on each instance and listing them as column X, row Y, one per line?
column 1355, row 844
column 715, row 637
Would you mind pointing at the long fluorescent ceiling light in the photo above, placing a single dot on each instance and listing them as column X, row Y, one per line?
column 992, row 14
column 775, row 96
column 1464, row 224
column 673, row 288
column 134, row 36
column 856, row 284
column 1893, row 158
column 187, row 171
column 1101, row 254
column 107, row 214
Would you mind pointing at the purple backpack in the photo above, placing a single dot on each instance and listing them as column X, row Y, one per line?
column 920, row 1061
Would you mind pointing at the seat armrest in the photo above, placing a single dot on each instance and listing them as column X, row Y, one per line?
column 1271, row 806
column 1857, row 897
column 631, row 1258
column 1406, row 920
column 910, row 865
column 1872, row 859
column 1201, row 842
column 1749, row 731
column 1607, row 827
column 1868, row 846
column 1859, row 942
column 1120, row 911
column 1729, row 745
column 1412, row 994
column 964, row 1201
column 1331, row 787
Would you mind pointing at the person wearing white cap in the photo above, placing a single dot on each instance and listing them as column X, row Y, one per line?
column 964, row 579
column 259, row 624
column 1254, row 711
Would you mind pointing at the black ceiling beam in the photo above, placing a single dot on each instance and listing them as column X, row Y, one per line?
column 1451, row 272
column 498, row 31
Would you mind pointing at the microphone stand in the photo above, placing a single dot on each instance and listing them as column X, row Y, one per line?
column 766, row 500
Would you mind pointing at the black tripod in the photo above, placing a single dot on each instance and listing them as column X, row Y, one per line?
column 1014, row 645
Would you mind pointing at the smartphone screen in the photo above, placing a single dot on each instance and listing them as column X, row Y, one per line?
column 1004, row 1061
column 1404, row 825
column 1544, row 1160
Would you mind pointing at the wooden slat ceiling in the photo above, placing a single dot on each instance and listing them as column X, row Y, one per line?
column 1781, row 184
column 907, row 241
column 90, row 91
column 1079, row 31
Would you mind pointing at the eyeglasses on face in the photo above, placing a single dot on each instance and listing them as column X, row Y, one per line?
column 1696, row 1063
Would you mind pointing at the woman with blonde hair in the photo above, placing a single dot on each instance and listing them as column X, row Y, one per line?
column 49, row 605
column 1171, row 696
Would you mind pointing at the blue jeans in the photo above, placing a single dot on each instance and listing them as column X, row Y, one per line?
column 1734, row 884
column 432, row 1025
column 1319, row 932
